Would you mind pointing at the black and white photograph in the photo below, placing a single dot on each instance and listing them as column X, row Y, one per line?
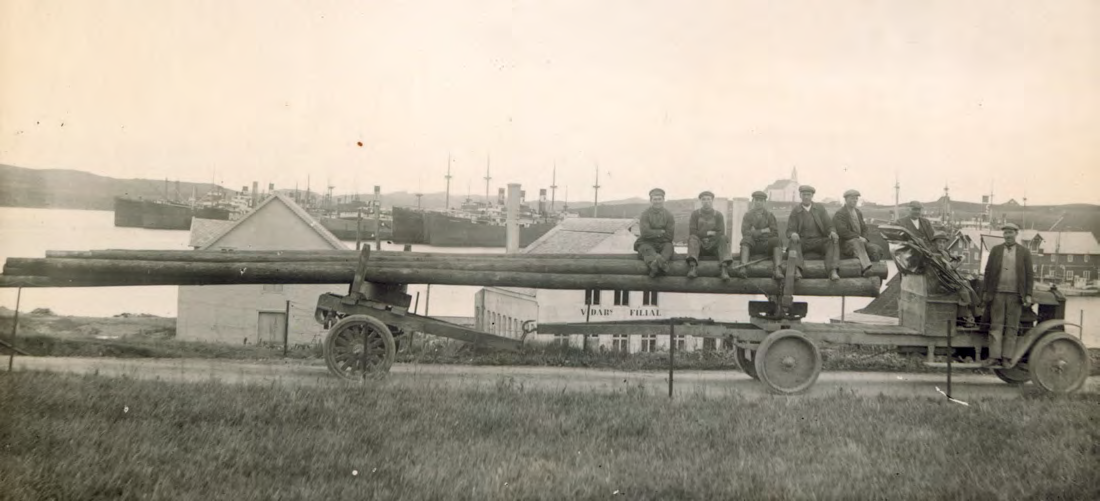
column 549, row 249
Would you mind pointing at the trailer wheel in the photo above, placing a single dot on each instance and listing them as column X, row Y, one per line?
column 359, row 346
column 1014, row 376
column 1058, row 363
column 788, row 362
column 747, row 366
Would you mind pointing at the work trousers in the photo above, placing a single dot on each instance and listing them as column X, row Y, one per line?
column 1004, row 324
column 651, row 252
column 716, row 246
column 851, row 248
column 761, row 246
column 819, row 245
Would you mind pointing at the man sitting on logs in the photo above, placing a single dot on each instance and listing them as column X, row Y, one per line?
column 707, row 236
column 657, row 226
column 760, row 235
column 949, row 263
column 849, row 225
column 810, row 229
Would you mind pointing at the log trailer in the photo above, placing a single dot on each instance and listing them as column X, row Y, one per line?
column 774, row 346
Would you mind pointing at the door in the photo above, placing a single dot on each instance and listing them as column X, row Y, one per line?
column 271, row 326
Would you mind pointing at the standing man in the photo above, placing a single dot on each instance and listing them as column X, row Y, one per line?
column 1009, row 280
column 760, row 235
column 657, row 226
column 852, row 231
column 707, row 235
column 918, row 224
column 810, row 229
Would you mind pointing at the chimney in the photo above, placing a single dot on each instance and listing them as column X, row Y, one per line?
column 255, row 188
column 542, row 201
column 500, row 196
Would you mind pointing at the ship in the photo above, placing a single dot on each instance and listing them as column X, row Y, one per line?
column 163, row 214
column 475, row 224
column 354, row 220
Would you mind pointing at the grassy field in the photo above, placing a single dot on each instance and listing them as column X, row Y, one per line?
column 72, row 437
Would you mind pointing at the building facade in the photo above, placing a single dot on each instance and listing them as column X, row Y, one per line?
column 1071, row 258
column 257, row 314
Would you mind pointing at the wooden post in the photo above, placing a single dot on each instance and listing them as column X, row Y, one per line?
column 1081, row 327
column 377, row 217
column 950, row 334
column 427, row 299
column 358, row 228
column 843, row 307
column 512, row 229
column 14, row 328
column 286, row 329
column 671, row 352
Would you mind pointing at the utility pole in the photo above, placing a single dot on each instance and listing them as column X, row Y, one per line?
column 596, row 208
column 553, row 187
column 487, row 178
column 897, row 190
column 1024, row 227
column 447, row 204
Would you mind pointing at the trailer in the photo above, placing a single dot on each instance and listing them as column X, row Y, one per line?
column 774, row 346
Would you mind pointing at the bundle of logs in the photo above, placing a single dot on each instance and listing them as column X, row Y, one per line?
column 104, row 268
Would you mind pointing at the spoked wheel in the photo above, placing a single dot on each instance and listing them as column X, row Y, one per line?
column 1014, row 376
column 359, row 346
column 1058, row 363
column 745, row 362
column 788, row 362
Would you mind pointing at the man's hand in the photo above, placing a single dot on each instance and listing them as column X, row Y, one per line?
column 863, row 239
column 766, row 231
column 833, row 236
column 711, row 233
column 1027, row 301
column 794, row 237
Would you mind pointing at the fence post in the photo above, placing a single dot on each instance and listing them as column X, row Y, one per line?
column 15, row 328
column 286, row 328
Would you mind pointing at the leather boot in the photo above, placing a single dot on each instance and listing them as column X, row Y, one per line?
column 723, row 271
column 742, row 271
column 693, row 269
column 777, row 259
column 834, row 275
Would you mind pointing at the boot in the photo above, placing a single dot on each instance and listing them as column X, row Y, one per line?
column 652, row 268
column 834, row 275
column 742, row 271
column 693, row 269
column 723, row 271
column 663, row 265
column 777, row 258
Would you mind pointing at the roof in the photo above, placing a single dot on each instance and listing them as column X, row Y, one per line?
column 203, row 230
column 1054, row 242
column 782, row 183
column 573, row 236
column 296, row 209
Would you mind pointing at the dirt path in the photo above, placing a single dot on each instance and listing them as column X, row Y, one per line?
column 686, row 383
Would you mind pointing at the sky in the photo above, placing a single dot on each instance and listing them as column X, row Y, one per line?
column 725, row 95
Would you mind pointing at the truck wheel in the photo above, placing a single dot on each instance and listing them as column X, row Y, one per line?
column 1058, row 363
column 1014, row 376
column 359, row 346
column 788, row 362
column 745, row 363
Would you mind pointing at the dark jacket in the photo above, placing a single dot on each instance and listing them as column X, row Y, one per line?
column 925, row 230
column 1025, row 276
column 842, row 221
column 650, row 224
column 700, row 223
column 757, row 219
column 821, row 219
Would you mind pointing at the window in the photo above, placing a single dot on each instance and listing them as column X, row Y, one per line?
column 710, row 344
column 649, row 343
column 273, row 287
column 622, row 298
column 649, row 298
column 1087, row 275
column 1069, row 276
column 727, row 344
column 681, row 342
column 1085, row 257
column 621, row 343
column 561, row 339
column 1069, row 258
column 592, row 297
column 1054, row 258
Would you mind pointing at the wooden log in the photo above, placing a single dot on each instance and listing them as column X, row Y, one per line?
column 299, row 255
column 117, row 272
column 849, row 268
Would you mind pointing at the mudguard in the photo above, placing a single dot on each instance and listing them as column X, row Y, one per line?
column 1025, row 342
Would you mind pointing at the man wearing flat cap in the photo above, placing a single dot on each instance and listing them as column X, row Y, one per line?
column 852, row 231
column 810, row 229
column 707, row 236
column 1009, row 280
column 917, row 224
column 967, row 299
column 760, row 235
column 657, row 227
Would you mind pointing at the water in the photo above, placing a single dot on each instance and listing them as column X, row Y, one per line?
column 31, row 232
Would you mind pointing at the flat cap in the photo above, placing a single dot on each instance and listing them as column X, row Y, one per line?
column 939, row 235
column 706, row 194
column 916, row 205
column 656, row 191
column 804, row 188
column 1010, row 226
column 851, row 193
column 760, row 194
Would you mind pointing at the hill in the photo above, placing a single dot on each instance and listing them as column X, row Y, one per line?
column 70, row 189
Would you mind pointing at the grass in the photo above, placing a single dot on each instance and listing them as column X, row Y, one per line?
column 88, row 437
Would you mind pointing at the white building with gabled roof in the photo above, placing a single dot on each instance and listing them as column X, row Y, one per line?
column 504, row 310
column 251, row 314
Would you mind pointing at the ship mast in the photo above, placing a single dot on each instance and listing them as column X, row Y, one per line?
column 448, row 178
column 596, row 207
column 553, row 187
column 487, row 179
column 897, row 190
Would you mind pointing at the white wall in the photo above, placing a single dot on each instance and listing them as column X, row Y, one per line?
column 230, row 313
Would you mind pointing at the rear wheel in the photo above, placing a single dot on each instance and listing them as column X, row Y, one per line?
column 359, row 346
column 1058, row 363
column 788, row 362
column 744, row 360
column 1014, row 376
